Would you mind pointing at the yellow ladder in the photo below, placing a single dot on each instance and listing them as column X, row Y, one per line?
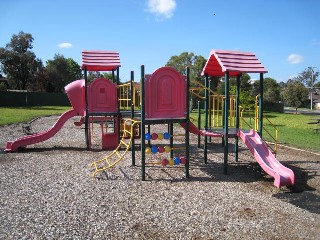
column 115, row 157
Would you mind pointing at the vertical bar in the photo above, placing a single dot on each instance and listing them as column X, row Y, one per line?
column 133, row 150
column 86, row 118
column 236, row 146
column 225, row 122
column 206, row 103
column 261, row 106
column 210, row 108
column 113, row 77
column 171, row 139
column 143, row 153
column 187, row 124
column 199, row 123
column 118, row 107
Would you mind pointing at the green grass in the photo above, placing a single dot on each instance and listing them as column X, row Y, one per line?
column 11, row 115
column 293, row 129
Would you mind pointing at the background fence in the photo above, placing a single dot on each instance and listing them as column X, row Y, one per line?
column 24, row 99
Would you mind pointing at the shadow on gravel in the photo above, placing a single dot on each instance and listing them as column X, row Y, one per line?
column 40, row 150
column 302, row 194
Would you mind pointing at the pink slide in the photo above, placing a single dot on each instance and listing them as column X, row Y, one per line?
column 282, row 175
column 40, row 137
column 193, row 129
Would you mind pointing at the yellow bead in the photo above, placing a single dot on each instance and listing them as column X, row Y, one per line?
column 148, row 150
column 167, row 149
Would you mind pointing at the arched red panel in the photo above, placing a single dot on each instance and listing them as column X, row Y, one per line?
column 102, row 96
column 165, row 94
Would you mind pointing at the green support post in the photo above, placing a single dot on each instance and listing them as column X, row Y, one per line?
column 86, row 118
column 143, row 144
column 171, row 139
column 199, row 123
column 261, row 106
column 133, row 150
column 236, row 146
column 205, row 148
column 209, row 110
column 187, row 124
column 118, row 108
column 113, row 77
column 226, row 122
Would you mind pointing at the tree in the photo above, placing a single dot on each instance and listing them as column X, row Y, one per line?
column 61, row 71
column 186, row 59
column 271, row 90
column 295, row 94
column 17, row 61
column 196, row 64
column 309, row 77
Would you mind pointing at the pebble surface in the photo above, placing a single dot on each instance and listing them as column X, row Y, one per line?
column 48, row 192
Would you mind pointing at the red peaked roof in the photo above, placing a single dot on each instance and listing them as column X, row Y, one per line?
column 235, row 62
column 100, row 60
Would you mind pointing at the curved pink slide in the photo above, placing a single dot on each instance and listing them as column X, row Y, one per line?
column 195, row 130
column 40, row 137
column 282, row 175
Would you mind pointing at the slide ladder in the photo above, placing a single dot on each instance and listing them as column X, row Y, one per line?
column 115, row 157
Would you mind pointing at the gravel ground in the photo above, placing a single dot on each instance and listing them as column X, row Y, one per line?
column 48, row 192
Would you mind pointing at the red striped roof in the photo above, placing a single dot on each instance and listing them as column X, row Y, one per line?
column 100, row 60
column 235, row 62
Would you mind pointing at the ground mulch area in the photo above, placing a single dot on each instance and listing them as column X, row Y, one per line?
column 47, row 191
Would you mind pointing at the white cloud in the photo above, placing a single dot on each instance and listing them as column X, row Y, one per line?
column 65, row 45
column 294, row 58
column 162, row 8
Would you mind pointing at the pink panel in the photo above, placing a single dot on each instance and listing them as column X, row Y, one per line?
column 75, row 91
column 102, row 96
column 165, row 94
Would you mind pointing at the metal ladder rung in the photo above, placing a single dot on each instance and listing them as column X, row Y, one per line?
column 122, row 142
column 118, row 153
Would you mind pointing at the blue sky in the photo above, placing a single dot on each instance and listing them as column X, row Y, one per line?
column 284, row 34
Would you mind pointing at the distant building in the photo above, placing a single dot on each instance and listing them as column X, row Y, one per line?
column 316, row 98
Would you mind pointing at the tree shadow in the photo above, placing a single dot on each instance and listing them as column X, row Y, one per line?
column 301, row 194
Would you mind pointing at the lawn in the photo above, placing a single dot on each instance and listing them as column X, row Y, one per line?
column 11, row 115
column 293, row 129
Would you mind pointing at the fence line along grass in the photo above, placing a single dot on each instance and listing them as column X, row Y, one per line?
column 11, row 115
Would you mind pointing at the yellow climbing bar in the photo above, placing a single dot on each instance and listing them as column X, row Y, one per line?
column 115, row 157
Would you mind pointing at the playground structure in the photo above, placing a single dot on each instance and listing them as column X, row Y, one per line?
column 164, row 99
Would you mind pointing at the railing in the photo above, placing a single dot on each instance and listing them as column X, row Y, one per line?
column 125, row 96
column 216, row 105
column 256, row 126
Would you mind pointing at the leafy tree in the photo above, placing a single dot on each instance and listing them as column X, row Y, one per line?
column 61, row 71
column 271, row 90
column 186, row 59
column 246, row 97
column 194, row 62
column 309, row 77
column 17, row 61
column 295, row 94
